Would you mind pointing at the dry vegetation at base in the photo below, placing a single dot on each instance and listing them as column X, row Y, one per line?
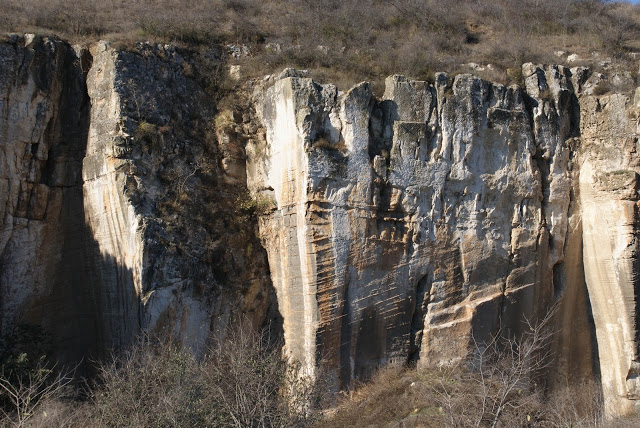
column 499, row 386
column 410, row 398
column 242, row 382
column 352, row 40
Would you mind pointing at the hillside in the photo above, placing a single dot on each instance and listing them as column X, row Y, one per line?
column 349, row 41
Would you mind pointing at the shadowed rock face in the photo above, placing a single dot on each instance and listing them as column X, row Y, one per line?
column 46, row 252
column 158, row 202
column 407, row 228
column 116, row 215
column 415, row 226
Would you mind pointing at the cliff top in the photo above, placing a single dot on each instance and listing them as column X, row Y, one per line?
column 354, row 40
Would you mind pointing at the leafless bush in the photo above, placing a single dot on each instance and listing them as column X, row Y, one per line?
column 242, row 381
column 499, row 386
column 575, row 406
column 24, row 393
column 148, row 385
column 500, row 382
column 250, row 383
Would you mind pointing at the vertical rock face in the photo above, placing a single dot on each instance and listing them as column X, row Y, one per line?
column 45, row 250
column 608, row 188
column 407, row 228
column 116, row 214
column 157, row 201
column 402, row 223
column 416, row 226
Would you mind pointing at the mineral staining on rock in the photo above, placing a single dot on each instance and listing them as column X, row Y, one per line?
column 423, row 209
column 407, row 228
column 608, row 187
column 417, row 226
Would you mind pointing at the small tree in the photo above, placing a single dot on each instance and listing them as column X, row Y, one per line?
column 26, row 391
column 251, row 385
column 499, row 381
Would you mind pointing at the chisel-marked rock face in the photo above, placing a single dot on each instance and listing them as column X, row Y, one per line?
column 417, row 226
column 410, row 228
column 402, row 223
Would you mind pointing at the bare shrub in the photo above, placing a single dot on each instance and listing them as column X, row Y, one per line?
column 27, row 379
column 149, row 385
column 578, row 405
column 250, row 385
column 501, row 381
column 23, row 394
column 242, row 381
column 499, row 386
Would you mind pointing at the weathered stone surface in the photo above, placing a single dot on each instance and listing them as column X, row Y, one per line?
column 417, row 226
column 117, row 217
column 402, row 223
column 157, row 202
column 407, row 228
column 608, row 188
column 45, row 250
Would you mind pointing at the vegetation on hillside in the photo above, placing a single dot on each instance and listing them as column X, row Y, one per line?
column 242, row 381
column 352, row 40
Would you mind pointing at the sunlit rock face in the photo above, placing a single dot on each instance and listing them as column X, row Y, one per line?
column 608, row 187
column 416, row 226
column 407, row 228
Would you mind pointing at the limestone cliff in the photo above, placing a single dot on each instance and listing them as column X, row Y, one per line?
column 157, row 201
column 117, row 216
column 46, row 253
column 407, row 228
column 417, row 226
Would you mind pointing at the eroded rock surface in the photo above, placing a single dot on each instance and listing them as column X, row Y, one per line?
column 409, row 228
column 608, row 187
column 417, row 226
column 46, row 253
column 117, row 214
column 157, row 200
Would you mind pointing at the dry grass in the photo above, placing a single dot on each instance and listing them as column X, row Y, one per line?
column 352, row 40
column 397, row 397
column 394, row 394
column 242, row 381
column 496, row 387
